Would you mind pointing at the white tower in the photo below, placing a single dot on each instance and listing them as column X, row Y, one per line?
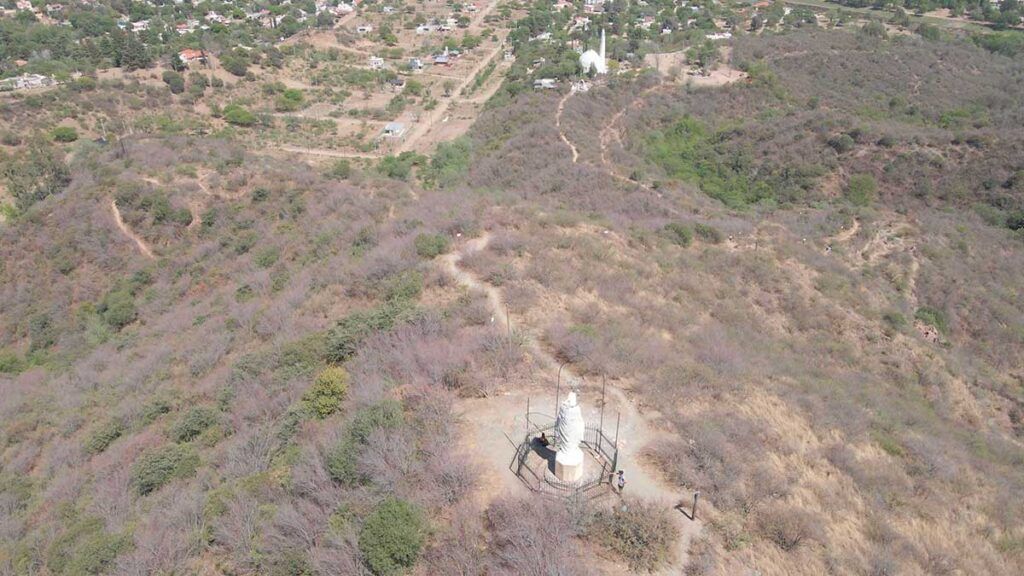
column 570, row 428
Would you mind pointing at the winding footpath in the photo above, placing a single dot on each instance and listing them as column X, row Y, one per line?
column 139, row 242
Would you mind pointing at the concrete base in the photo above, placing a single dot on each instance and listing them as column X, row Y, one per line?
column 569, row 467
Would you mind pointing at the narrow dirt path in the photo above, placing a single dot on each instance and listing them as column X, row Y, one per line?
column 139, row 242
column 561, row 133
column 637, row 429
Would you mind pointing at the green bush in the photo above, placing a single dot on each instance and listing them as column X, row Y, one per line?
column 266, row 257
column 11, row 363
column 708, row 233
column 235, row 62
column 37, row 174
column 933, row 317
column 449, row 163
column 679, row 234
column 340, row 170
column 175, row 81
column 42, row 333
column 193, row 423
column 64, row 134
column 1015, row 220
column 640, row 532
column 118, row 308
column 328, row 391
column 431, row 245
column 842, row 143
column 159, row 466
column 404, row 286
column 399, row 167
column 341, row 458
column 861, row 189
column 239, row 116
column 104, row 436
column 85, row 547
column 289, row 100
column 344, row 339
column 392, row 536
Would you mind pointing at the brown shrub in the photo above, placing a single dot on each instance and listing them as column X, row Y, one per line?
column 787, row 526
column 639, row 531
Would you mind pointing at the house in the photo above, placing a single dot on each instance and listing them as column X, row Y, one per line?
column 393, row 130
column 364, row 29
column 215, row 18
column 140, row 26
column 190, row 55
column 397, row 82
column 23, row 5
column 388, row 9
column 719, row 36
column 415, row 64
column 426, row 28
column 545, row 84
column 26, row 82
column 376, row 63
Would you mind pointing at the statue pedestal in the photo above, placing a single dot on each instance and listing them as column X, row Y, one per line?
column 569, row 465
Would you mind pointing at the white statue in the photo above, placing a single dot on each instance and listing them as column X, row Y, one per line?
column 569, row 427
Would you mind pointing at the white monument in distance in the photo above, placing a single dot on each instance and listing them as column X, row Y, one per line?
column 570, row 427
column 593, row 60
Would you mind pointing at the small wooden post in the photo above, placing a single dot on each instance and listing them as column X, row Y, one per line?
column 508, row 324
column 600, row 429
column 693, row 511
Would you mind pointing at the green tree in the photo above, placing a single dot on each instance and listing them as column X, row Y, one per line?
column 175, row 81
column 340, row 170
column 392, row 536
column 64, row 134
column 118, row 308
column 328, row 391
column 430, row 245
column 40, row 172
column 239, row 116
column 159, row 466
column 193, row 423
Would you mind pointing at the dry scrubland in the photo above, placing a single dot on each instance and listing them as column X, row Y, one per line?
column 849, row 411
column 272, row 392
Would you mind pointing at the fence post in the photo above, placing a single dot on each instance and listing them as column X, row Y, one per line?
column 615, row 458
column 600, row 429
column 693, row 511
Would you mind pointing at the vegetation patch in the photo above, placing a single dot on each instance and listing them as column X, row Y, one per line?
column 158, row 466
column 392, row 536
column 640, row 532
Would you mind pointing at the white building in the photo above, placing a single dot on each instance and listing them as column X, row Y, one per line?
column 596, row 61
column 393, row 130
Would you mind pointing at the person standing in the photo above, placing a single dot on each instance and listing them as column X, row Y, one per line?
column 621, row 482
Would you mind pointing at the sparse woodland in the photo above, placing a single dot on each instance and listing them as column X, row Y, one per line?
column 813, row 282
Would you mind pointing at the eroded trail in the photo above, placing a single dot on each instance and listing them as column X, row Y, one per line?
column 561, row 133
column 637, row 428
column 139, row 242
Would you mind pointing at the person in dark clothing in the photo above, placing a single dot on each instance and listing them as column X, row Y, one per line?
column 543, row 440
